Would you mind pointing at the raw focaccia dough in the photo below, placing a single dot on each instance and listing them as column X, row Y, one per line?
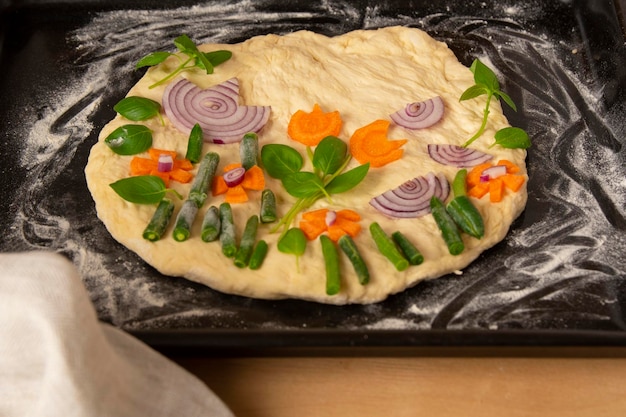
column 366, row 75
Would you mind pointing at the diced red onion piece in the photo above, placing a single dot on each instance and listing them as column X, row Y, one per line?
column 234, row 177
column 165, row 163
column 215, row 109
column 457, row 156
column 331, row 217
column 412, row 198
column 419, row 115
column 492, row 172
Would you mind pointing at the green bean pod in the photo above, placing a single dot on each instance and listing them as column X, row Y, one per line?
column 204, row 178
column 248, row 239
column 249, row 150
column 194, row 144
column 347, row 245
column 388, row 248
column 411, row 253
column 447, row 226
column 159, row 221
column 258, row 255
column 184, row 220
column 268, row 206
column 462, row 210
column 211, row 225
column 227, row 230
column 331, row 261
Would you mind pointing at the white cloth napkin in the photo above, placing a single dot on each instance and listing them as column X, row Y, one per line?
column 57, row 359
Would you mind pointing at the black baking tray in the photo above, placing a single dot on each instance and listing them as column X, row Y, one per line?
column 558, row 279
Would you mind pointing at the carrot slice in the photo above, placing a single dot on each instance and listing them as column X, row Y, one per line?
column 350, row 227
column 311, row 229
column 219, row 185
column 479, row 190
column 349, row 215
column 473, row 177
column 496, row 190
column 142, row 166
column 310, row 128
column 180, row 175
column 183, row 164
column 370, row 144
column 165, row 176
column 513, row 182
column 236, row 194
column 254, row 179
column 511, row 168
column 154, row 153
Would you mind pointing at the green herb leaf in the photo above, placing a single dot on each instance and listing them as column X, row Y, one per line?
column 505, row 97
column 512, row 138
column 293, row 242
column 330, row 155
column 303, row 184
column 137, row 108
column 218, row 57
column 485, row 76
column 152, row 59
column 348, row 180
column 129, row 139
column 142, row 189
column 473, row 92
column 280, row 160
column 185, row 44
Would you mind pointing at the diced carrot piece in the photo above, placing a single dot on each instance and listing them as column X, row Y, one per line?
column 165, row 176
column 181, row 175
column 154, row 153
column 236, row 194
column 496, row 190
column 349, row 215
column 314, row 215
column 473, row 177
column 254, row 179
column 479, row 190
column 513, row 182
column 219, row 185
column 232, row 166
column 370, row 144
column 350, row 227
column 183, row 164
column 311, row 229
column 142, row 166
column 511, row 168
column 310, row 128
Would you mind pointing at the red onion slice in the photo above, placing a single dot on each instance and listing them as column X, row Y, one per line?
column 215, row 109
column 412, row 199
column 492, row 172
column 165, row 163
column 457, row 156
column 420, row 114
column 331, row 218
column 235, row 176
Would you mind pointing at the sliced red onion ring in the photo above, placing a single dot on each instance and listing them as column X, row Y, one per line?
column 165, row 163
column 412, row 199
column 419, row 115
column 331, row 217
column 234, row 177
column 457, row 156
column 215, row 109
column 492, row 172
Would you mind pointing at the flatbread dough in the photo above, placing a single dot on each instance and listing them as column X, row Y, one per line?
column 366, row 75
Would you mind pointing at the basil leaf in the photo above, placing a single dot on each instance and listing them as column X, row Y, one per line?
column 129, row 139
column 348, row 180
column 330, row 155
column 280, row 160
column 506, row 98
column 293, row 242
column 218, row 57
column 137, row 108
column 485, row 76
column 143, row 189
column 152, row 59
column 473, row 92
column 512, row 138
column 303, row 184
column 185, row 44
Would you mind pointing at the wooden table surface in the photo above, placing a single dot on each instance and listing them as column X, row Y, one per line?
column 561, row 383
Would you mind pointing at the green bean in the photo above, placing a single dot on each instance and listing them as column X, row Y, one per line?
column 194, row 144
column 249, row 150
column 447, row 226
column 388, row 248
column 184, row 220
column 204, row 178
column 258, row 255
column 462, row 210
column 347, row 245
column 248, row 239
column 160, row 219
column 227, row 230
column 211, row 225
column 411, row 253
column 331, row 261
column 268, row 206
